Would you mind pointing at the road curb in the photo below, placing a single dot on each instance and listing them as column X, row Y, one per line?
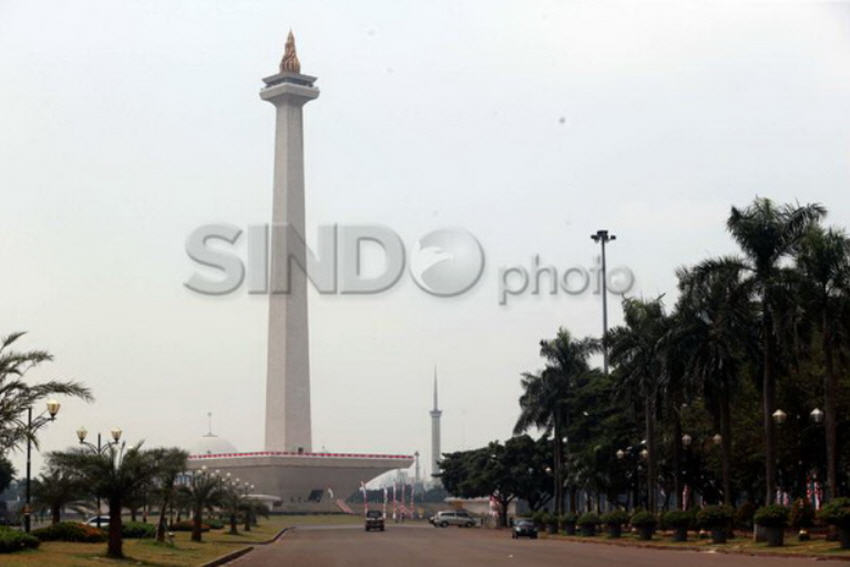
column 234, row 555
column 700, row 549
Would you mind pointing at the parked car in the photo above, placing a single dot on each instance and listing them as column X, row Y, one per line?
column 104, row 521
column 448, row 518
column 374, row 520
column 524, row 528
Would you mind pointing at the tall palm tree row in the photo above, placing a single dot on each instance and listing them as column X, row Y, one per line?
column 769, row 324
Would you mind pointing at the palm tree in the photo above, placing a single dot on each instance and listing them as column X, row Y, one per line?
column 637, row 353
column 768, row 234
column 170, row 463
column 113, row 473
column 232, row 503
column 16, row 395
column 824, row 260
column 203, row 492
column 55, row 489
column 545, row 400
column 717, row 333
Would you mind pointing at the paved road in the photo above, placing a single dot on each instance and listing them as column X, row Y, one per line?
column 420, row 546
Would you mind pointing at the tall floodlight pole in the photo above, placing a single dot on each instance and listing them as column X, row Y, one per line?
column 603, row 238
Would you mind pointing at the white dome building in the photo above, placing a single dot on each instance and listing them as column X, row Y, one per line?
column 211, row 444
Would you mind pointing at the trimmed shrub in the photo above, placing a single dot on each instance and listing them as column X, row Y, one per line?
column 679, row 519
column 588, row 519
column 138, row 530
column 774, row 516
column 712, row 517
column 70, row 531
column 802, row 514
column 215, row 523
column 13, row 540
column 645, row 523
column 615, row 517
column 837, row 513
column 644, row 519
column 588, row 522
column 186, row 526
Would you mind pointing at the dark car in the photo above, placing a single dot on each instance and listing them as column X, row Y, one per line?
column 374, row 520
column 524, row 528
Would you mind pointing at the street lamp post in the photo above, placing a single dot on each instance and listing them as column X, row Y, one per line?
column 115, row 433
column 603, row 237
column 52, row 409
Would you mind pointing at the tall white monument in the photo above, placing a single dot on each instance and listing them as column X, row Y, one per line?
column 436, row 413
column 287, row 475
column 288, row 369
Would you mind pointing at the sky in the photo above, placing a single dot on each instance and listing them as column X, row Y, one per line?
column 125, row 126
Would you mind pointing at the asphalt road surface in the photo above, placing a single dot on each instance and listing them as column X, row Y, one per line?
column 424, row 546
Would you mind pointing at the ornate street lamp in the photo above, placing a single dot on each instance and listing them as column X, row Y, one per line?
column 52, row 409
column 621, row 454
column 779, row 417
column 644, row 454
column 816, row 415
column 115, row 433
column 717, row 439
column 687, row 440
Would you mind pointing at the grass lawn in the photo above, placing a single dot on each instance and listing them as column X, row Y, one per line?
column 817, row 546
column 147, row 552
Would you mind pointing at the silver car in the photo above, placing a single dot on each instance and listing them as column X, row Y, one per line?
column 448, row 518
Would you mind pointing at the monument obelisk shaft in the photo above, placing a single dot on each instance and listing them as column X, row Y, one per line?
column 288, row 370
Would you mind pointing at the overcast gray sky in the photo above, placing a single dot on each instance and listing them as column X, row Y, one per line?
column 531, row 124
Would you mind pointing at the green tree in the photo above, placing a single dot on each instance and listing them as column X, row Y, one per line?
column 114, row 474
column 7, row 473
column 768, row 234
column 717, row 334
column 636, row 351
column 501, row 471
column 57, row 488
column 545, row 402
column 203, row 492
column 16, row 395
column 232, row 504
column 170, row 463
column 823, row 257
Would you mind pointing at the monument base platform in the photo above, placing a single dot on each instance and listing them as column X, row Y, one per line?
column 301, row 482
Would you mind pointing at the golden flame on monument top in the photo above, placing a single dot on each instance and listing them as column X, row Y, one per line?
column 290, row 63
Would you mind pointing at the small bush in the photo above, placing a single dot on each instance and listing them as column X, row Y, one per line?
column 802, row 514
column 13, row 540
column 615, row 518
column 644, row 519
column 215, row 523
column 715, row 516
column 70, row 531
column 679, row 519
column 186, row 526
column 569, row 518
column 837, row 513
column 774, row 516
column 138, row 530
column 588, row 519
